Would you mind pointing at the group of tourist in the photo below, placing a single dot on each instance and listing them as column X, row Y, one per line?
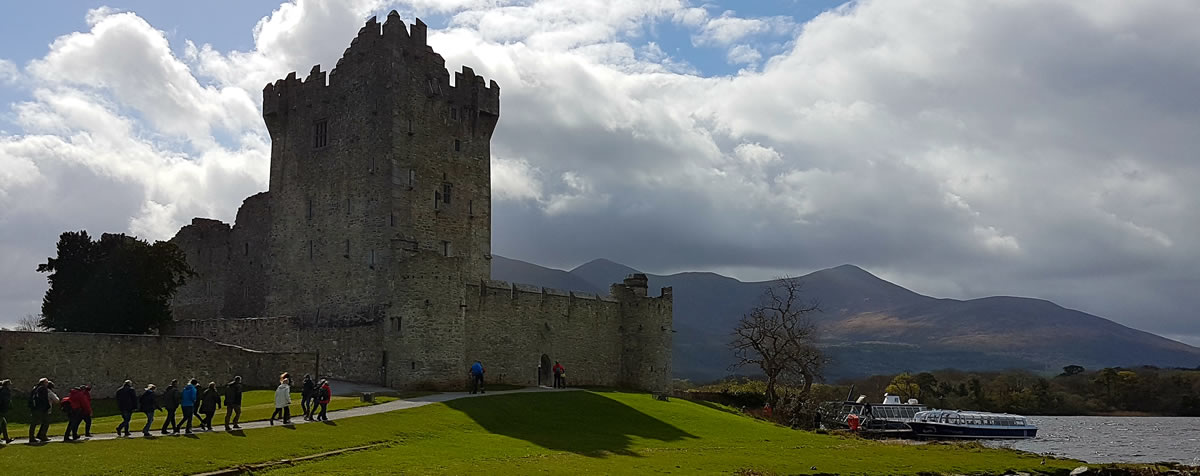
column 196, row 403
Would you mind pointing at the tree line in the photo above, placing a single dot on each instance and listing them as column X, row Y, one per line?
column 1075, row 391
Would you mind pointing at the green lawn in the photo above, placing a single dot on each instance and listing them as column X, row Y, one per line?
column 256, row 405
column 561, row 432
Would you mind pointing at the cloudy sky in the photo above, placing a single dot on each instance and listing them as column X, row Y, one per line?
column 961, row 149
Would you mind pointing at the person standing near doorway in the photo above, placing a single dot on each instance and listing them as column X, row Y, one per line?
column 560, row 374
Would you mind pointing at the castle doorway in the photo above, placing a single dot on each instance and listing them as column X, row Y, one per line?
column 544, row 375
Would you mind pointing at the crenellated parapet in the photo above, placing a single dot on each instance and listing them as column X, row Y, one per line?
column 387, row 55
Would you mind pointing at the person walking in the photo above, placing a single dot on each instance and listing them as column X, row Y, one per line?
column 148, row 404
column 5, row 406
column 127, row 402
column 307, row 392
column 170, row 402
column 324, row 394
column 560, row 373
column 41, row 400
column 74, row 412
column 187, row 400
column 233, row 402
column 283, row 398
column 84, row 402
column 477, row 371
column 210, row 401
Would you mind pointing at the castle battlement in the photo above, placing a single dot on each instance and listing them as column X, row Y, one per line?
column 385, row 53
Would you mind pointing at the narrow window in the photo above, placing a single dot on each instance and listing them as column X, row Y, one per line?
column 310, row 248
column 308, row 215
column 246, row 252
column 471, row 207
column 437, row 199
column 398, row 324
column 414, row 365
column 321, row 133
column 457, row 145
column 347, row 254
column 410, row 131
column 371, row 261
column 446, row 193
column 446, row 248
column 412, row 178
column 347, row 206
column 454, row 113
column 392, row 219
column 371, row 168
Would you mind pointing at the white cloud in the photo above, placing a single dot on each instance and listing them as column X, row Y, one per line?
column 743, row 54
column 8, row 72
column 728, row 28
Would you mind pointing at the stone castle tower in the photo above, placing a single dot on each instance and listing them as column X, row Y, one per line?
column 374, row 239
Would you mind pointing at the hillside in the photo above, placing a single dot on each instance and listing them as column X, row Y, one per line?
column 872, row 326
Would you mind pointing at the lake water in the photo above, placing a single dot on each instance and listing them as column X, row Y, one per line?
column 1115, row 439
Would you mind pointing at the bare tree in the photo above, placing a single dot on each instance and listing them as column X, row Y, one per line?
column 29, row 323
column 779, row 338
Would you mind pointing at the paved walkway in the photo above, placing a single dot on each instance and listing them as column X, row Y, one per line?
column 297, row 419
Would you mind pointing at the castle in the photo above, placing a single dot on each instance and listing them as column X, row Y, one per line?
column 372, row 247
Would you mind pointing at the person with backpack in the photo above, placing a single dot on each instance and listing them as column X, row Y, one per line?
column 306, row 397
column 233, row 402
column 148, row 404
column 127, row 402
column 187, row 400
column 477, row 371
column 83, row 401
column 283, row 398
column 560, row 373
column 210, row 401
column 5, row 406
column 41, row 400
column 170, row 402
column 323, row 396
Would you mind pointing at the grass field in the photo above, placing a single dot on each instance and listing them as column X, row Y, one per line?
column 561, row 432
column 256, row 405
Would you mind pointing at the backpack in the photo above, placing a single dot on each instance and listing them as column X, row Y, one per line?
column 33, row 398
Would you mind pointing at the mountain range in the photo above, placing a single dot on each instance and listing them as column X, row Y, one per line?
column 870, row 326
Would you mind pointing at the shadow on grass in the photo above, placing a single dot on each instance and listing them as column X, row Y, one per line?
column 579, row 422
column 717, row 406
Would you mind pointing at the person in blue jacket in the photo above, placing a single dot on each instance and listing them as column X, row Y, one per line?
column 187, row 400
column 477, row 371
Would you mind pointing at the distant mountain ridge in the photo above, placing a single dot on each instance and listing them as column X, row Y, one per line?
column 872, row 326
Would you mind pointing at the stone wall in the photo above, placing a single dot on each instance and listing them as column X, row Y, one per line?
column 600, row 340
column 347, row 352
column 106, row 360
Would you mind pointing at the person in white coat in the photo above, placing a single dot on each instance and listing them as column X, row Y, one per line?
column 283, row 398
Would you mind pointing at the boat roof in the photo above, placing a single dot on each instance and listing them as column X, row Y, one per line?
column 971, row 413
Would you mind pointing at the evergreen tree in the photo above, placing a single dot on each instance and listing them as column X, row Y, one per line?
column 117, row 284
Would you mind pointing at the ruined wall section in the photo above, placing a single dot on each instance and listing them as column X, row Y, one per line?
column 230, row 264
column 106, row 360
column 646, row 334
column 205, row 243
column 510, row 326
column 353, row 352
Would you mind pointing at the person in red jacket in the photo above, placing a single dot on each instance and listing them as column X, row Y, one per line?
column 85, row 410
column 560, row 380
column 75, row 415
column 323, row 397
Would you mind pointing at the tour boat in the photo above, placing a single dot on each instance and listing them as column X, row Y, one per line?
column 890, row 417
column 971, row 425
